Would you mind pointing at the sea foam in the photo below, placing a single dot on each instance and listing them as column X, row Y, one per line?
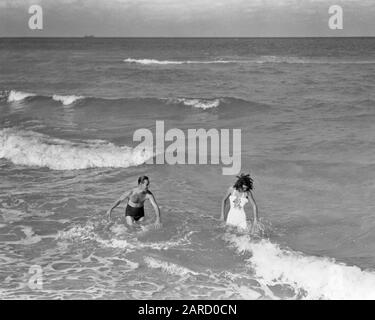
column 197, row 103
column 16, row 96
column 66, row 100
column 29, row 148
column 168, row 267
column 316, row 277
column 166, row 62
column 265, row 59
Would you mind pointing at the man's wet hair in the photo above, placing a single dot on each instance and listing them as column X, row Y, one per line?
column 244, row 180
column 142, row 179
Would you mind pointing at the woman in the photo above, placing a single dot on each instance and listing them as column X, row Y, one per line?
column 239, row 195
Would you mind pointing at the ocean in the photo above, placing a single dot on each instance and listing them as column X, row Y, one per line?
column 69, row 108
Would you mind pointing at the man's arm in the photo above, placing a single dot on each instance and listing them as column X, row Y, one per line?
column 151, row 197
column 125, row 196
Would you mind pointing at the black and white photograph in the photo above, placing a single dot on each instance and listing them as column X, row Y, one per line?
column 187, row 150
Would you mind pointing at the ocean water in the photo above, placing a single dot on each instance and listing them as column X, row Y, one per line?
column 68, row 111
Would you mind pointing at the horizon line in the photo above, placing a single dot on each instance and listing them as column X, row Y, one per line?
column 177, row 37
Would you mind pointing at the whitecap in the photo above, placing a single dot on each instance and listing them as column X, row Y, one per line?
column 16, row 96
column 177, row 62
column 29, row 148
column 66, row 100
column 317, row 277
column 198, row 103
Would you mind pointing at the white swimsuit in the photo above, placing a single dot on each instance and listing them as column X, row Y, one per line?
column 236, row 215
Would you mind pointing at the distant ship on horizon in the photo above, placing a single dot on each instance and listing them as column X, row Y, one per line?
column 89, row 36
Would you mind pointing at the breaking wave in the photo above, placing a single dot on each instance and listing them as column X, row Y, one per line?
column 16, row 96
column 29, row 148
column 197, row 103
column 252, row 60
column 66, row 100
column 166, row 62
column 311, row 277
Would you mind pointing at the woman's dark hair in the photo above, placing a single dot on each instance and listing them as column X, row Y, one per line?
column 142, row 179
column 244, row 180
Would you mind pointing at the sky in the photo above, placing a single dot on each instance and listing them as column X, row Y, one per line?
column 187, row 18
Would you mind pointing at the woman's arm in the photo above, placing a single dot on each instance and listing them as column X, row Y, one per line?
column 255, row 207
column 229, row 191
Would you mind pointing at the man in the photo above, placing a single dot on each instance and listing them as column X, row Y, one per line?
column 135, row 203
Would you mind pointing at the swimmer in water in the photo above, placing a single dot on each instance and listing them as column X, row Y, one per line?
column 135, row 203
column 239, row 195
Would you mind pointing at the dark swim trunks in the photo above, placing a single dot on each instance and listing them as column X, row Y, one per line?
column 136, row 213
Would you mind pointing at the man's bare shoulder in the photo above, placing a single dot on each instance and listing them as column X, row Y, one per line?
column 129, row 192
column 149, row 194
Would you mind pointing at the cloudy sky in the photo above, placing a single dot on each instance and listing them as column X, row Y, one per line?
column 187, row 18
